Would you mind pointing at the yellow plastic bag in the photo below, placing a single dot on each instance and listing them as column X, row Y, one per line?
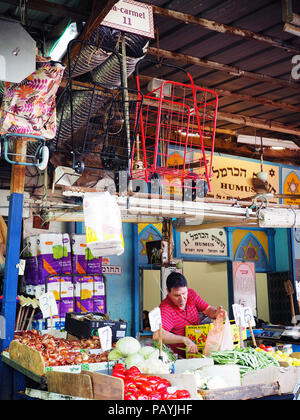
column 219, row 337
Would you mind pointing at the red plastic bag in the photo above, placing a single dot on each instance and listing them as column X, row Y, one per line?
column 219, row 337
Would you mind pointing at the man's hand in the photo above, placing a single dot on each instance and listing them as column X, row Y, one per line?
column 220, row 312
column 191, row 347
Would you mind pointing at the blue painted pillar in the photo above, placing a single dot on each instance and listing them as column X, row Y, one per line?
column 136, row 281
column 10, row 288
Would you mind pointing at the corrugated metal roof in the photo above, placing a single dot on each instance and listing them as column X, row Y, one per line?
column 262, row 17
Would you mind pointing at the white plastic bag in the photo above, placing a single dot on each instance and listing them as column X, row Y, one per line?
column 219, row 337
column 103, row 224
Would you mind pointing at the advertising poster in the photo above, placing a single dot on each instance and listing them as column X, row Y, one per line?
column 244, row 284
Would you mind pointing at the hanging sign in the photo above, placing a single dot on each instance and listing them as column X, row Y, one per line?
column 48, row 305
column 131, row 16
column 243, row 315
column 244, row 284
column 155, row 319
column 204, row 242
column 105, row 337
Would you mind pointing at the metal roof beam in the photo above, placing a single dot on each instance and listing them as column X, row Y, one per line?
column 226, row 29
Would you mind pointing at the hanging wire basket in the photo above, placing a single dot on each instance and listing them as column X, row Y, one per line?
column 176, row 134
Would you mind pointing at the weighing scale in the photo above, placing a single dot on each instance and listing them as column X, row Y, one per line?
column 280, row 334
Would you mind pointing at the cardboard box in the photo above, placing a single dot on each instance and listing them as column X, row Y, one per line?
column 198, row 334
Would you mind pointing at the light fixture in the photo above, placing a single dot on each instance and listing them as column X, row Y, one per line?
column 65, row 176
column 292, row 29
column 60, row 47
column 278, row 217
column 267, row 142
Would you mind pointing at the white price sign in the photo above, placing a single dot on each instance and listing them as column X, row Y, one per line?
column 242, row 316
column 48, row 305
column 105, row 337
column 155, row 319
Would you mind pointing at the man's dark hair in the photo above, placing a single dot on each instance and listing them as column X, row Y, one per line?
column 175, row 280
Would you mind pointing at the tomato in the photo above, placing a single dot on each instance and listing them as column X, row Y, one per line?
column 168, row 396
column 118, row 374
column 153, row 379
column 165, row 381
column 142, row 397
column 146, row 388
column 160, row 387
column 154, row 395
column 262, row 346
column 130, row 396
column 119, row 366
column 182, row 393
column 129, row 386
column 133, row 369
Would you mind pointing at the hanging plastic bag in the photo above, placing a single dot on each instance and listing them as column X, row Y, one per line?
column 219, row 337
column 103, row 224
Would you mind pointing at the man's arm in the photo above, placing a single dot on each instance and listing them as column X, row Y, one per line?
column 213, row 312
column 170, row 338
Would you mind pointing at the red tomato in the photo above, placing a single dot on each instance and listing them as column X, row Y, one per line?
column 160, row 387
column 146, row 388
column 168, row 396
column 153, row 379
column 165, row 381
column 182, row 393
column 130, row 396
column 142, row 397
column 119, row 366
column 118, row 374
column 133, row 369
column 154, row 395
column 129, row 386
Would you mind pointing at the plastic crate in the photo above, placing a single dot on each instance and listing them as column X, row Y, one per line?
column 79, row 326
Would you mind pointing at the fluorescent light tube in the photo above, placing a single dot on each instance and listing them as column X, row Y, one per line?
column 59, row 49
column 267, row 142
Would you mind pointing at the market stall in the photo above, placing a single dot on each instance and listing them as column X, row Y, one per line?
column 83, row 368
column 137, row 161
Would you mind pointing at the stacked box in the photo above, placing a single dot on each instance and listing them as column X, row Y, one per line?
column 89, row 290
column 198, row 334
column 54, row 256
column 83, row 261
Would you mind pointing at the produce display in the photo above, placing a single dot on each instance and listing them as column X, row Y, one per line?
column 145, row 358
column 61, row 352
column 279, row 355
column 247, row 358
column 138, row 386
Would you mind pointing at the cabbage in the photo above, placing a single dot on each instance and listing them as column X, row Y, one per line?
column 114, row 354
column 155, row 356
column 146, row 351
column 155, row 366
column 127, row 346
column 134, row 360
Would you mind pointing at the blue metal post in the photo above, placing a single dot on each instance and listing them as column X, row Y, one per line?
column 10, row 286
column 136, row 281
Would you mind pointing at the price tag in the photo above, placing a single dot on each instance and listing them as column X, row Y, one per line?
column 105, row 337
column 155, row 319
column 48, row 305
column 242, row 316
